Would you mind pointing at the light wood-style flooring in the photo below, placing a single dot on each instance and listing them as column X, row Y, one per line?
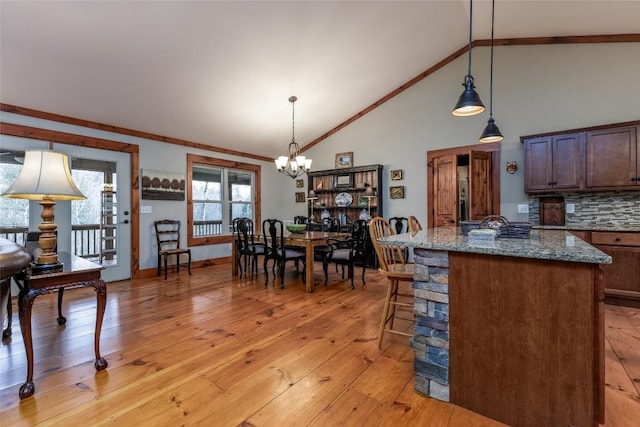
column 215, row 350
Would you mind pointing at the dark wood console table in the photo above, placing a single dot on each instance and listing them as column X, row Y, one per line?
column 76, row 272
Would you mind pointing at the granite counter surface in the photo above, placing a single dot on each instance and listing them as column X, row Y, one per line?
column 557, row 245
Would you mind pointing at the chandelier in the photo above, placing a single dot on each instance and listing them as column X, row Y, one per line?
column 293, row 164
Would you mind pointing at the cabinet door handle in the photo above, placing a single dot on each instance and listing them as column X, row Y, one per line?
column 634, row 178
column 617, row 239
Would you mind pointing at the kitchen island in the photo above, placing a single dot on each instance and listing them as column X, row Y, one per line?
column 511, row 329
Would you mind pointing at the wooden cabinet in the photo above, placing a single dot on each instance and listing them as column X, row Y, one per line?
column 622, row 276
column 589, row 159
column 341, row 191
column 613, row 158
column 553, row 163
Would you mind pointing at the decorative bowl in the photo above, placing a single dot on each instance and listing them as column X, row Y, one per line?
column 296, row 228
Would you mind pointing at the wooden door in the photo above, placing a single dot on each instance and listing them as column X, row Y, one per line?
column 611, row 158
column 479, row 185
column 445, row 209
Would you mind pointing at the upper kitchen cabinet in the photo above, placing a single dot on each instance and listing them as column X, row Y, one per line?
column 613, row 158
column 553, row 163
column 589, row 159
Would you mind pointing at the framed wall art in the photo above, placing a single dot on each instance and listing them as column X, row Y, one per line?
column 344, row 160
column 300, row 197
column 396, row 192
column 161, row 185
column 299, row 183
column 396, row 174
column 342, row 180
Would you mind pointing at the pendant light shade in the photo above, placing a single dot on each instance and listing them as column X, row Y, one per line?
column 469, row 103
column 491, row 133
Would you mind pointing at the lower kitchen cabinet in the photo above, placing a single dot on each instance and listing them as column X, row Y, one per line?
column 622, row 276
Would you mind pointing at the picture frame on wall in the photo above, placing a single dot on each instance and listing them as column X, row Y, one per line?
column 299, row 183
column 342, row 180
column 300, row 197
column 396, row 174
column 163, row 185
column 344, row 160
column 396, row 192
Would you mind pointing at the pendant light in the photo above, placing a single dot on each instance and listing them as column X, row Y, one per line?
column 293, row 164
column 491, row 133
column 469, row 103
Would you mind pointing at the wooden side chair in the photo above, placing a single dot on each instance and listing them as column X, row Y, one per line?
column 168, row 238
column 399, row 224
column 273, row 230
column 248, row 249
column 414, row 224
column 396, row 269
column 299, row 219
column 348, row 251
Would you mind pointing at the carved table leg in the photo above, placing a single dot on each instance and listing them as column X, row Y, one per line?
column 101, row 297
column 25, row 304
column 61, row 319
column 7, row 332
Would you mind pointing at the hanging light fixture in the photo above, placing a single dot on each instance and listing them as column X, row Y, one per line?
column 469, row 103
column 293, row 164
column 491, row 133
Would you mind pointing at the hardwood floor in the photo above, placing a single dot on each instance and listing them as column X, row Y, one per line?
column 213, row 350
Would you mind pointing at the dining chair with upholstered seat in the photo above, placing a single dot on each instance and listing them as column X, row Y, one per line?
column 400, row 224
column 395, row 268
column 299, row 219
column 348, row 251
column 247, row 248
column 414, row 224
column 168, row 240
column 273, row 230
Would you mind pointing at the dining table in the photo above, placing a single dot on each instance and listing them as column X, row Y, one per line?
column 306, row 239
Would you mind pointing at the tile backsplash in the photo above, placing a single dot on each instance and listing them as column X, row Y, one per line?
column 614, row 208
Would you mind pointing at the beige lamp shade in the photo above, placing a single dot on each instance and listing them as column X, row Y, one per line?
column 45, row 176
column 368, row 192
column 44, row 173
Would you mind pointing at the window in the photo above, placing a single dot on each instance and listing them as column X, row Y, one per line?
column 218, row 191
column 14, row 213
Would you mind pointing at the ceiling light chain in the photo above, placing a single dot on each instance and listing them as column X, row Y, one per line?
column 491, row 133
column 469, row 103
column 293, row 164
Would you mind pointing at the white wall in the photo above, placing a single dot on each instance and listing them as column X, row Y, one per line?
column 536, row 89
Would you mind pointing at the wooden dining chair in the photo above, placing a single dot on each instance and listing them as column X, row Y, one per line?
column 394, row 266
column 348, row 251
column 247, row 248
column 414, row 224
column 168, row 239
column 276, row 250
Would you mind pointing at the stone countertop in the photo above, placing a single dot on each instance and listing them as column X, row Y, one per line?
column 592, row 227
column 557, row 245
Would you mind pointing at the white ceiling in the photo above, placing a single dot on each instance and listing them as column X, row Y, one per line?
column 221, row 72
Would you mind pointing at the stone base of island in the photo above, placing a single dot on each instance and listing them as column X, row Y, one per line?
column 511, row 329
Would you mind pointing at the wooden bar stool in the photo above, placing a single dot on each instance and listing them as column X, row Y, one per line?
column 394, row 266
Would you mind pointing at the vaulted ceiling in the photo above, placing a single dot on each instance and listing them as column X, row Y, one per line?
column 220, row 72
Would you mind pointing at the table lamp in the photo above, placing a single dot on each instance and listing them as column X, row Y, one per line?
column 45, row 176
column 368, row 194
column 312, row 198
